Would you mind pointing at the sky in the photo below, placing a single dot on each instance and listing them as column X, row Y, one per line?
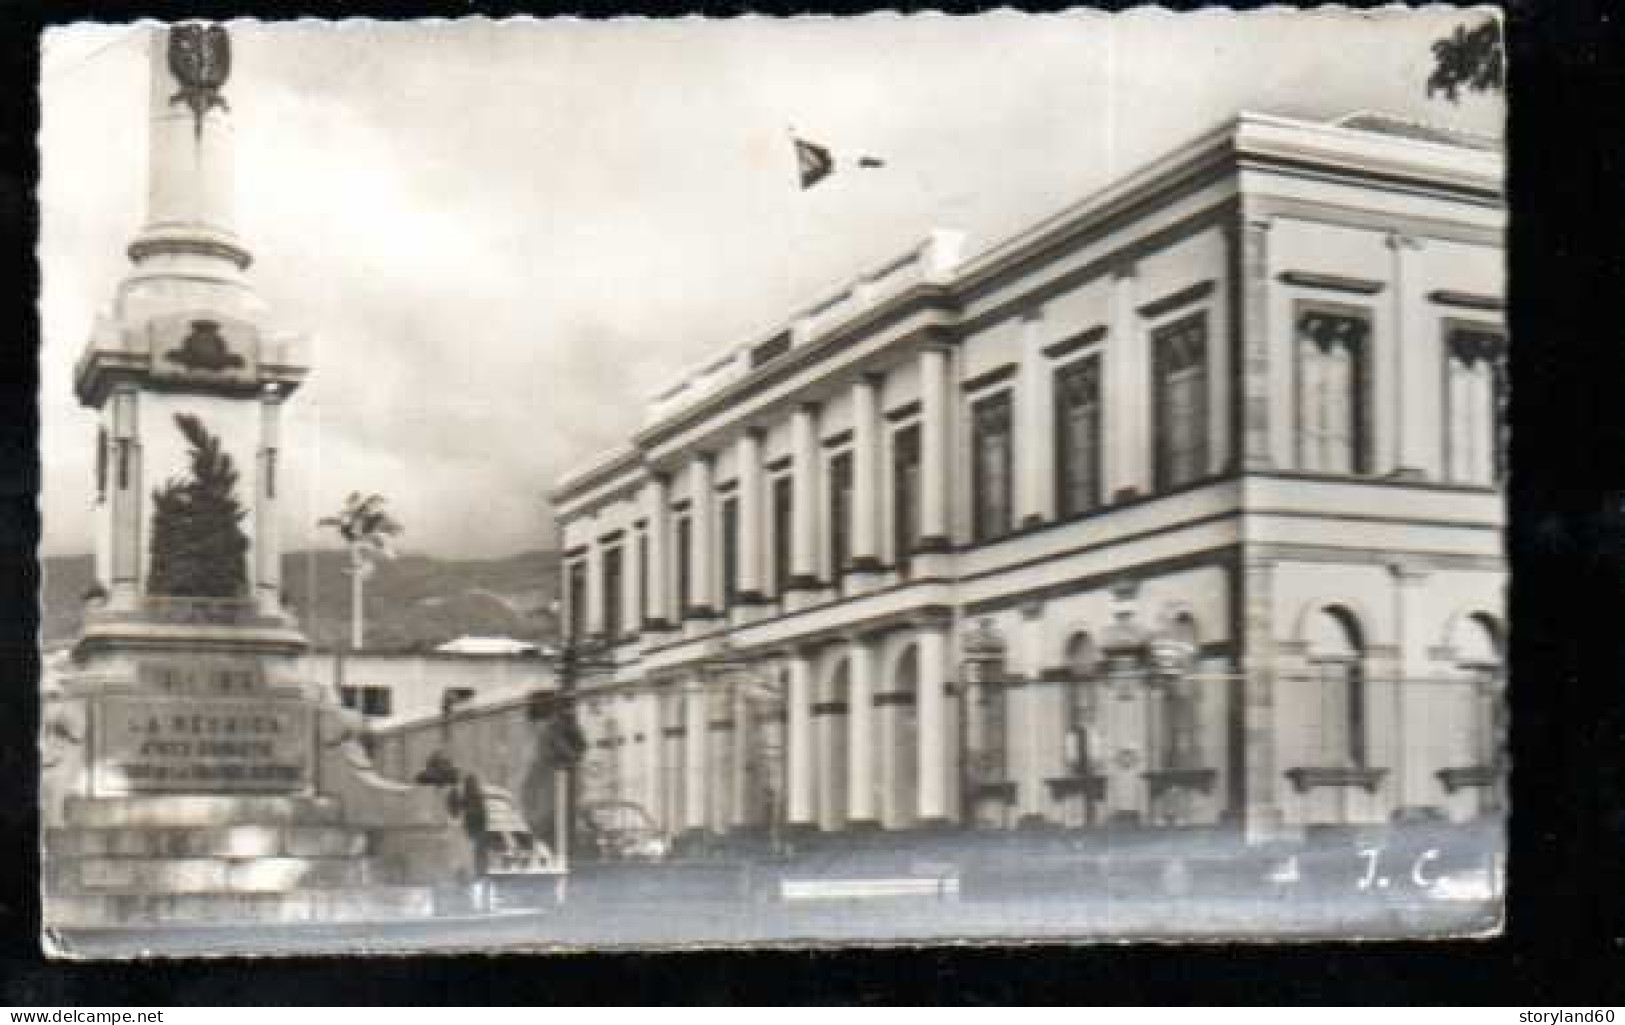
column 503, row 237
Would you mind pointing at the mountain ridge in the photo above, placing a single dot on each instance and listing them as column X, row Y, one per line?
column 413, row 602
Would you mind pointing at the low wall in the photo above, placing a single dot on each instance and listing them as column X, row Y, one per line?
column 499, row 743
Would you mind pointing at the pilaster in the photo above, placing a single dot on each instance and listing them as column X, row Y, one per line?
column 267, row 550
column 702, row 537
column 752, row 557
column 1414, row 418
column 865, row 527
column 861, row 660
column 657, row 509
column 1252, row 263
column 805, row 465
column 1128, row 398
column 935, row 458
column 126, row 497
column 799, row 760
column 1035, row 432
column 1263, row 811
column 696, row 770
column 932, row 640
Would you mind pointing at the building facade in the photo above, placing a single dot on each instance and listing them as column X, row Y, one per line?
column 389, row 688
column 1180, row 508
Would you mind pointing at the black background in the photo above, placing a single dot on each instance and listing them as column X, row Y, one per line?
column 1565, row 939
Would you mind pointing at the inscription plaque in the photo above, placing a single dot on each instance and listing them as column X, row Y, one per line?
column 157, row 744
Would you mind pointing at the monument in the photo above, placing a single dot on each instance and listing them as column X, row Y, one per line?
column 189, row 774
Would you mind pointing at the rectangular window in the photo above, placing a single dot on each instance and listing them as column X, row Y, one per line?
column 612, row 593
column 1077, row 436
column 840, row 514
column 643, row 576
column 1179, row 353
column 375, row 701
column 1332, row 392
column 685, row 549
column 575, row 599
column 1475, row 399
column 991, row 467
column 730, row 551
column 783, row 525
column 905, row 455
column 350, row 697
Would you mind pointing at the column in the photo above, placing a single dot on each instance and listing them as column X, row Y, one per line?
column 1408, row 764
column 695, row 769
column 1412, row 371
column 1128, row 399
column 1262, row 812
column 126, row 492
column 633, row 541
column 861, row 659
column 1035, row 432
column 865, row 532
column 657, row 509
column 935, row 457
column 1253, row 375
column 1022, row 720
column 702, row 534
column 741, row 781
column 267, row 551
column 595, row 586
column 752, row 554
column 804, row 497
column 799, row 760
column 933, row 719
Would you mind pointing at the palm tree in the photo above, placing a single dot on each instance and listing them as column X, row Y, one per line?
column 366, row 529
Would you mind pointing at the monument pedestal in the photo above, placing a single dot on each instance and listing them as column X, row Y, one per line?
column 190, row 777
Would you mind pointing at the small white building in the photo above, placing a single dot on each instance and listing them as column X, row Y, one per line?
column 390, row 688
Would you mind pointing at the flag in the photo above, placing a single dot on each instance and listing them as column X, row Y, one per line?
column 814, row 162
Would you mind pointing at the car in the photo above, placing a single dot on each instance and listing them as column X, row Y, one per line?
column 620, row 831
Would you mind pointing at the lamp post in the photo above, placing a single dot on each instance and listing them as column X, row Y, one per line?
column 563, row 740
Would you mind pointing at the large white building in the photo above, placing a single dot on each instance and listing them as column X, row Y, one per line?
column 1179, row 508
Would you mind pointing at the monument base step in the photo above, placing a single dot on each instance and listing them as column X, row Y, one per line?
column 206, row 875
column 240, row 841
column 305, row 906
column 199, row 811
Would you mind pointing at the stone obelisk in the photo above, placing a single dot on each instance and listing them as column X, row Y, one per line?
column 190, row 773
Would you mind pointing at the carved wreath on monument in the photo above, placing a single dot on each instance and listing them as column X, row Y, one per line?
column 199, row 549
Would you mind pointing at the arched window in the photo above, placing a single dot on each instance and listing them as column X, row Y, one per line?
column 1181, row 703
column 1083, row 700
column 1476, row 643
column 1336, row 662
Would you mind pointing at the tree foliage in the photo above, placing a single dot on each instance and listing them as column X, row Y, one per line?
column 199, row 549
column 1469, row 58
column 365, row 525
